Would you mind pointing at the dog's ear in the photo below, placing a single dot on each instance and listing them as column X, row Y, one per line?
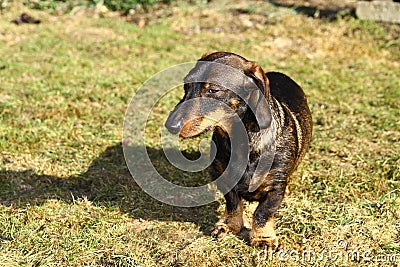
column 258, row 97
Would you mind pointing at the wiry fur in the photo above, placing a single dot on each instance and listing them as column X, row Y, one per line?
column 280, row 120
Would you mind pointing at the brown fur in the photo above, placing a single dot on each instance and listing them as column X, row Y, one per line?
column 275, row 114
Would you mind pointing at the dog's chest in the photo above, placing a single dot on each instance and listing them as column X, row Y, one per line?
column 259, row 143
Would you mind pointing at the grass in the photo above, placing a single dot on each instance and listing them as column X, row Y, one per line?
column 67, row 198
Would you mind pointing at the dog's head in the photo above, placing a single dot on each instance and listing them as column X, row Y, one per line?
column 222, row 86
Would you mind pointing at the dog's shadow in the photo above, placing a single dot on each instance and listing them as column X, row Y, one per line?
column 107, row 182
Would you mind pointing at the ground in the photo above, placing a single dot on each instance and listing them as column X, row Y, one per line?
column 67, row 198
column 318, row 4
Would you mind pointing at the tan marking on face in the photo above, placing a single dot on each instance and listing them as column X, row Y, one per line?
column 233, row 103
column 195, row 127
column 199, row 125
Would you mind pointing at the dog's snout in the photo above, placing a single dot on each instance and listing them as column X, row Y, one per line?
column 173, row 125
column 174, row 128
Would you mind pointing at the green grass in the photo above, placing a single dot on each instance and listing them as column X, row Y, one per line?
column 67, row 198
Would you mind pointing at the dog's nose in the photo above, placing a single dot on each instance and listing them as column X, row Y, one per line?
column 173, row 126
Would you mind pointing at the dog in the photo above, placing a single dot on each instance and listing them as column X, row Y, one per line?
column 274, row 116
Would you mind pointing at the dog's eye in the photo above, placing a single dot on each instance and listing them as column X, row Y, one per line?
column 212, row 91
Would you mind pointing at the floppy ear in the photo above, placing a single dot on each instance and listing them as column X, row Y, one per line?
column 258, row 97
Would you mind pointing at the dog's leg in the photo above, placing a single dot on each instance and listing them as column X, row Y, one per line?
column 263, row 233
column 232, row 220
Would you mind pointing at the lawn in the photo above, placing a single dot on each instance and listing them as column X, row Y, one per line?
column 68, row 199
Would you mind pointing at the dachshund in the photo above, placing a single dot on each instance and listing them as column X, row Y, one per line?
column 272, row 112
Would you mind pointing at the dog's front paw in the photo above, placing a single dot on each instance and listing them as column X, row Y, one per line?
column 264, row 236
column 227, row 225
column 220, row 229
column 271, row 242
